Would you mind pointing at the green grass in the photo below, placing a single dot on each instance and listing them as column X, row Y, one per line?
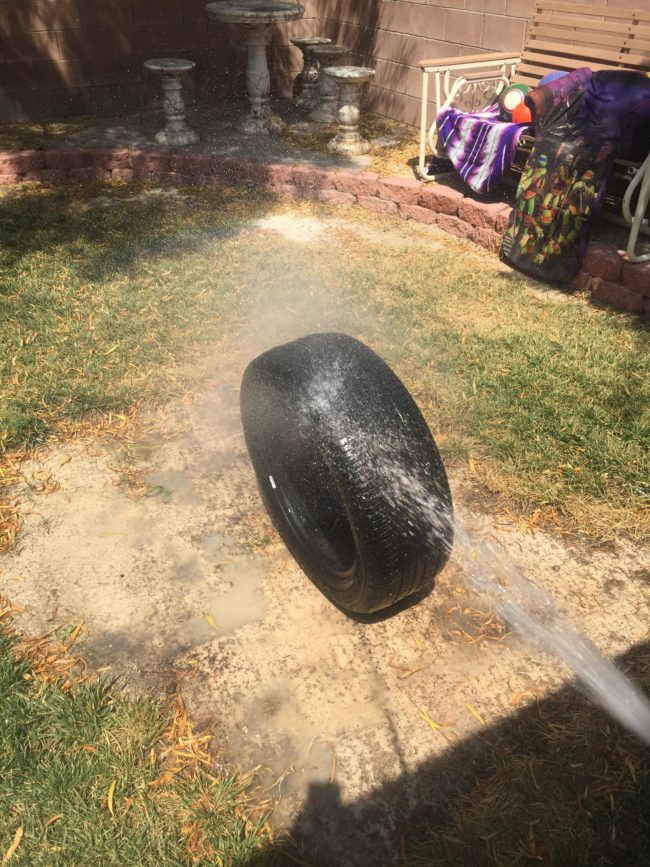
column 62, row 753
column 547, row 403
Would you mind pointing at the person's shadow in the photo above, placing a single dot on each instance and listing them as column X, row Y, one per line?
column 558, row 783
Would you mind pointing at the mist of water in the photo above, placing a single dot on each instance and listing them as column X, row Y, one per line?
column 489, row 572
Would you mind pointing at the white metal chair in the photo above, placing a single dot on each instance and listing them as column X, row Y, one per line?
column 637, row 220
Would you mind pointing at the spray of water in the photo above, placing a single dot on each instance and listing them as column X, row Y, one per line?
column 524, row 606
column 490, row 572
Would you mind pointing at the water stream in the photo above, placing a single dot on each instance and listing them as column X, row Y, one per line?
column 526, row 608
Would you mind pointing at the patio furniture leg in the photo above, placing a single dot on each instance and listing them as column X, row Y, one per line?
column 642, row 177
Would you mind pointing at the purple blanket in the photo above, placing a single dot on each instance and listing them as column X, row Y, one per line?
column 480, row 146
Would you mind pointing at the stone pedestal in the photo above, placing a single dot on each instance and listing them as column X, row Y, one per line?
column 256, row 17
column 176, row 132
column 326, row 110
column 307, row 100
column 350, row 80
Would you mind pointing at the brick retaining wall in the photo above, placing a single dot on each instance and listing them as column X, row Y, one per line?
column 606, row 273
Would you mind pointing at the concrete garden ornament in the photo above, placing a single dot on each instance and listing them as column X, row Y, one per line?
column 176, row 131
column 310, row 75
column 350, row 80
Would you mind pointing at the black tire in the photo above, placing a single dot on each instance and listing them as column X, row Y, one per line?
column 348, row 470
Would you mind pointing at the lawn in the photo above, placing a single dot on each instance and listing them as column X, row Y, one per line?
column 545, row 404
column 112, row 298
column 89, row 775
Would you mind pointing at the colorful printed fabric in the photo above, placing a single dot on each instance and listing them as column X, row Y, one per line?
column 578, row 138
column 480, row 145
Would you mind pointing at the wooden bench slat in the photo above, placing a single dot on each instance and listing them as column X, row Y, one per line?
column 587, row 53
column 607, row 12
column 603, row 37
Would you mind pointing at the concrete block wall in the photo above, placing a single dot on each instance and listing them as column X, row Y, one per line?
column 68, row 57
column 395, row 34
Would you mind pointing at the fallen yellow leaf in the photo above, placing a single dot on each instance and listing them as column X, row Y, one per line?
column 109, row 798
column 18, row 836
column 210, row 619
column 475, row 713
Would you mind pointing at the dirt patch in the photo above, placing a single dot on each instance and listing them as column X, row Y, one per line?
column 190, row 583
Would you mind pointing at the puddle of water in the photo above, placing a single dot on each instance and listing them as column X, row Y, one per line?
column 173, row 485
column 241, row 604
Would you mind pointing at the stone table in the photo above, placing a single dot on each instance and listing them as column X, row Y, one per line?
column 176, row 131
column 256, row 17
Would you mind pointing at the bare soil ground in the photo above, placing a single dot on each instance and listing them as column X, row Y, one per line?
column 189, row 583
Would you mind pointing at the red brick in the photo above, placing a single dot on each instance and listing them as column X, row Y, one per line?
column 8, row 179
column 454, row 226
column 617, row 295
column 357, row 183
column 646, row 307
column 311, row 178
column 481, row 214
column 487, row 238
column 150, row 161
column 251, row 171
column 378, row 206
column 581, row 282
column 89, row 173
column 67, row 158
column 21, row 161
column 417, row 212
column 502, row 219
column 46, row 175
column 111, row 158
column 130, row 175
column 279, row 173
column 403, row 191
column 191, row 163
column 286, row 191
column 439, row 198
column 603, row 260
column 166, row 177
column 636, row 276
column 336, row 197
column 231, row 171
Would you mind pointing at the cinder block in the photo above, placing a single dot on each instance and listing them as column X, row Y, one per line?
column 311, row 178
column 418, row 213
column 482, row 214
column 89, row 173
column 455, row 226
column 581, row 282
column 440, row 198
column 150, row 161
column 111, row 158
column 487, row 238
column 66, row 158
column 21, row 161
column 278, row 173
column 336, row 197
column 9, row 178
column 465, row 28
column 357, row 183
column 402, row 191
column 617, row 295
column 377, row 206
column 503, row 34
column 636, row 276
column 603, row 260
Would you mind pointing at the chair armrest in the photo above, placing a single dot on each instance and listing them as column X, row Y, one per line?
column 469, row 59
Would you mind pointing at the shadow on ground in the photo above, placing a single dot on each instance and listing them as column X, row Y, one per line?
column 556, row 783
